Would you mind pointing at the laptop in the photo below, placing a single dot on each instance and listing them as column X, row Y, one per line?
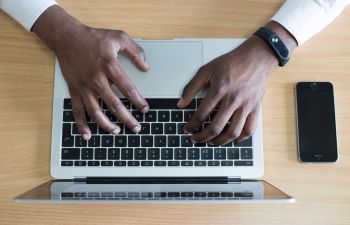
column 159, row 163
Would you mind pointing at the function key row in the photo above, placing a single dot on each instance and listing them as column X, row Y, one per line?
column 156, row 153
column 156, row 163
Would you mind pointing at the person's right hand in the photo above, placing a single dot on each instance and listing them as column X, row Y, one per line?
column 88, row 60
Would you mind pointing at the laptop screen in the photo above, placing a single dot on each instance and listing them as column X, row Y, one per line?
column 68, row 191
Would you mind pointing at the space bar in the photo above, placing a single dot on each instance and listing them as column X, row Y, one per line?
column 167, row 103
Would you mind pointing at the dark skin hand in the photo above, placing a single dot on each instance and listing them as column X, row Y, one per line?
column 235, row 84
column 88, row 60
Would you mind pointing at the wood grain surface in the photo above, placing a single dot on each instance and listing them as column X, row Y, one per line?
column 26, row 86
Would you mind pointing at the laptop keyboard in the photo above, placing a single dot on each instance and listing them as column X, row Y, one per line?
column 160, row 143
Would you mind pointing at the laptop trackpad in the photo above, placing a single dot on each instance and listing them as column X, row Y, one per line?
column 172, row 65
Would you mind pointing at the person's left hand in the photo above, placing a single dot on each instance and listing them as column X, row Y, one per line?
column 236, row 84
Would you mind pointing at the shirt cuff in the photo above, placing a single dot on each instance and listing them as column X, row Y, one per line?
column 24, row 11
column 305, row 18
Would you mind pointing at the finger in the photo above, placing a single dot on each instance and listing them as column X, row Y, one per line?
column 216, row 126
column 208, row 104
column 119, row 110
column 135, row 52
column 118, row 76
column 193, row 87
column 79, row 115
column 94, row 110
column 234, row 130
column 250, row 126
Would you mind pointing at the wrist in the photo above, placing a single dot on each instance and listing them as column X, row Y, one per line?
column 57, row 29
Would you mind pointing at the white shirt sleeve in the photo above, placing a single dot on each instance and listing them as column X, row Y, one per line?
column 26, row 12
column 305, row 18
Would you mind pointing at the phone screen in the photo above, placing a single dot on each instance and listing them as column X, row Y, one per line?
column 316, row 122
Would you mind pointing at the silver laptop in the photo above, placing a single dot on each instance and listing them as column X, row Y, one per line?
column 161, row 159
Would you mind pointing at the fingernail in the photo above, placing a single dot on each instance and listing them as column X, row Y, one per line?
column 211, row 143
column 86, row 137
column 136, row 129
column 116, row 131
column 144, row 109
column 193, row 141
column 179, row 103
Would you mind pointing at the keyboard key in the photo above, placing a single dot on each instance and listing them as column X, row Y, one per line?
column 157, row 128
column 187, row 194
column 145, row 128
column 107, row 194
column 67, row 103
column 94, row 141
column 180, row 153
column 200, row 163
column 126, row 103
column 67, row 195
column 188, row 115
column 186, row 163
column 133, row 194
column 226, row 163
column 226, row 194
column 119, row 163
column 128, row 131
column 173, row 141
column 153, row 153
column 120, row 194
column 219, row 153
column 70, row 153
column 230, row 144
column 67, row 138
column 102, row 131
column 66, row 163
column 68, row 116
column 79, row 163
column 170, row 128
column 180, row 128
column 133, row 141
column 120, row 141
column 243, row 194
column 243, row 163
column 113, row 153
column 93, row 163
column 200, row 194
column 126, row 153
column 159, row 141
column 159, row 163
column 146, row 163
column 100, row 153
column 93, row 127
column 167, row 153
column 193, row 153
column 140, row 153
column 87, row 153
column 203, row 144
column 80, row 142
column 173, row 163
column 106, row 163
column 186, row 141
column 206, row 153
column 138, row 115
column 107, row 141
column 246, row 143
column 173, row 194
column 213, row 194
column 213, row 163
column 75, row 129
column 176, row 116
column 167, row 103
column 233, row 153
column 146, row 141
column 133, row 163
column 163, row 116
column 159, row 194
column 111, row 117
column 151, row 116
column 246, row 153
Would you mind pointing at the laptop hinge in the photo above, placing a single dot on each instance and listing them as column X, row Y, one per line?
column 161, row 180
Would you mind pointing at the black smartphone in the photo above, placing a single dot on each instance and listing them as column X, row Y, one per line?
column 316, row 128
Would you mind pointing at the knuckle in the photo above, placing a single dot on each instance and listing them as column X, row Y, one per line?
column 116, row 108
column 234, row 134
column 130, row 92
column 122, row 34
column 214, row 130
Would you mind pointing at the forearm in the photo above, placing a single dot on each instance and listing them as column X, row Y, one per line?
column 56, row 28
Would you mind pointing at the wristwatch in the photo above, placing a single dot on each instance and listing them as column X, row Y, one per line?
column 276, row 44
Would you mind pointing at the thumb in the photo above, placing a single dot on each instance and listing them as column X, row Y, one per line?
column 136, row 54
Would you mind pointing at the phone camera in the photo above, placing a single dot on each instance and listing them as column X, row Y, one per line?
column 314, row 86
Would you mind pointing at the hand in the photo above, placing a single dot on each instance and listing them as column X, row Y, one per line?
column 88, row 60
column 236, row 84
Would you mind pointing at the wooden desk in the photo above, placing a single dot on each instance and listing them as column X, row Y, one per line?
column 26, row 71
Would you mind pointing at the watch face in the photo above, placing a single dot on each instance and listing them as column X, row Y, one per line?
column 279, row 47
